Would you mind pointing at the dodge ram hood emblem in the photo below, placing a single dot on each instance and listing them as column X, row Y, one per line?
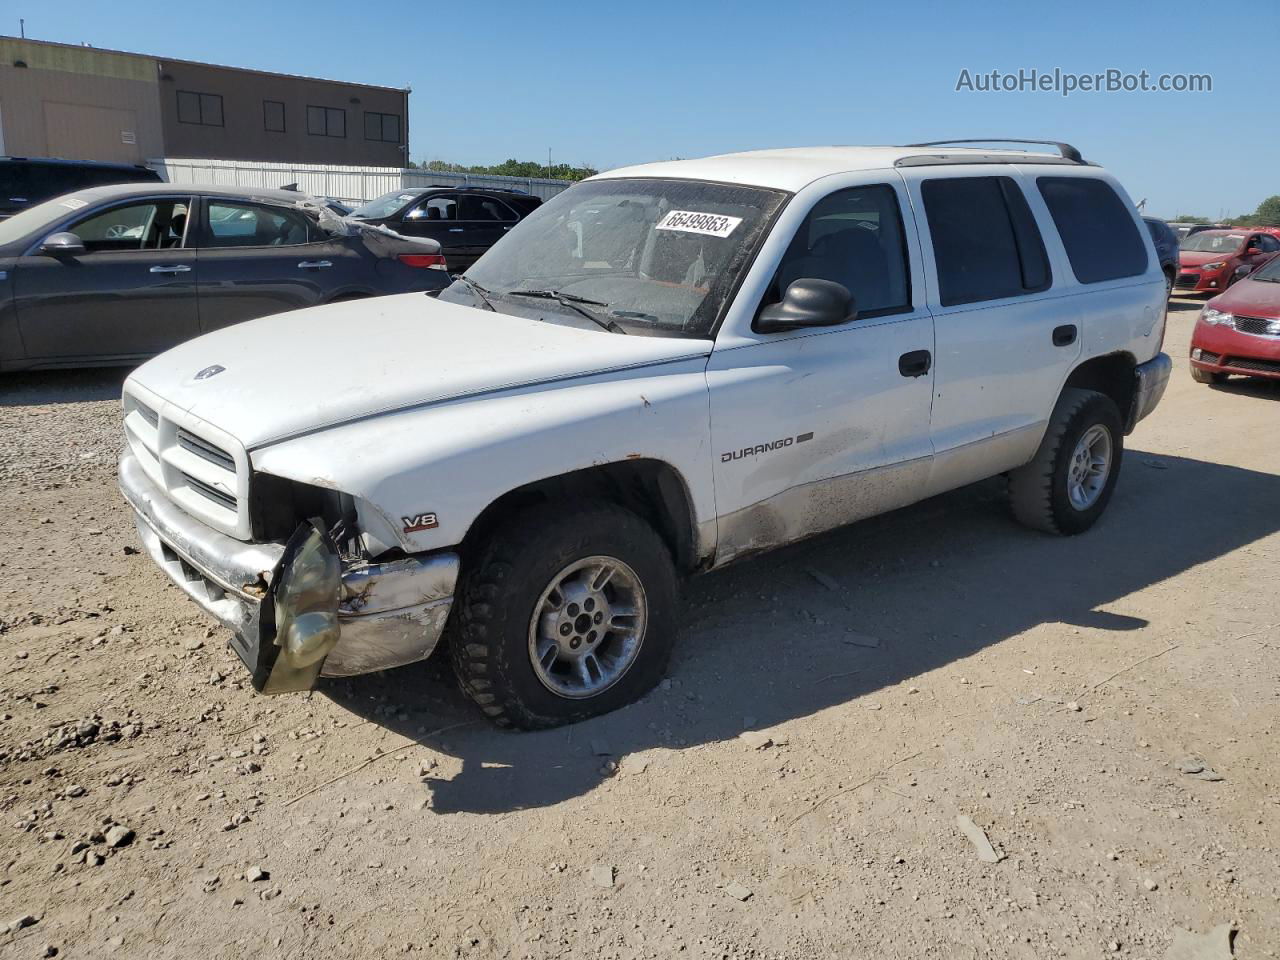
column 208, row 372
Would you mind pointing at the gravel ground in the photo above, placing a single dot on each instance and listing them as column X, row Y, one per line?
column 1104, row 709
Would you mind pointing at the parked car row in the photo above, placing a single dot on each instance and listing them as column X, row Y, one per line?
column 113, row 275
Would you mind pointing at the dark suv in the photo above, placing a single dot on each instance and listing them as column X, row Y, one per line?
column 1166, row 244
column 26, row 181
column 466, row 221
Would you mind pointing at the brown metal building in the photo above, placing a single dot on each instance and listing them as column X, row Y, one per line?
column 60, row 100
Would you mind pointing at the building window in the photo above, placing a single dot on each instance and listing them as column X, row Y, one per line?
column 382, row 126
column 326, row 122
column 202, row 108
column 273, row 116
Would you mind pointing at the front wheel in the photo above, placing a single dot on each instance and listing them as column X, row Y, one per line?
column 1067, row 485
column 568, row 612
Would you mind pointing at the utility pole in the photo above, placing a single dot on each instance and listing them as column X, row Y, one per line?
column 548, row 163
column 22, row 27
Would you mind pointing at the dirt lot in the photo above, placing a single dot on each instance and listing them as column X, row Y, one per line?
column 936, row 662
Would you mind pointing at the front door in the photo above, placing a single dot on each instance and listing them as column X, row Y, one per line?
column 131, row 294
column 485, row 220
column 823, row 426
column 258, row 259
column 437, row 217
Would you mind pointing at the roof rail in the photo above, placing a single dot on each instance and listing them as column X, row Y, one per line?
column 1065, row 150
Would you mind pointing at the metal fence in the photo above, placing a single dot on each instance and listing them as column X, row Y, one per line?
column 348, row 184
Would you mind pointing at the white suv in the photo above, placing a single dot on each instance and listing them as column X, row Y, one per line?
column 663, row 369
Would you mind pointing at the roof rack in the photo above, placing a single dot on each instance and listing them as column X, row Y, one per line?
column 1065, row 150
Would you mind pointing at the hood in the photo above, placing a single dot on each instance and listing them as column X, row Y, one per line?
column 309, row 369
column 1252, row 298
column 1194, row 258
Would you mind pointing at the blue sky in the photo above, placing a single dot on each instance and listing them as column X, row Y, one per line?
column 609, row 84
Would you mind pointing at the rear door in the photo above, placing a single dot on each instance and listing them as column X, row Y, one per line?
column 1005, row 342
column 130, row 295
column 257, row 259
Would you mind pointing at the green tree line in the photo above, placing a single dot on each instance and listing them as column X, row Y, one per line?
column 1267, row 215
column 509, row 168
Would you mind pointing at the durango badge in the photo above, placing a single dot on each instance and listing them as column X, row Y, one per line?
column 212, row 371
column 421, row 521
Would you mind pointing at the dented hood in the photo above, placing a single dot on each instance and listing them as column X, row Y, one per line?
column 309, row 369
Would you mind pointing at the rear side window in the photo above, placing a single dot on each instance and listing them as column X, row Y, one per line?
column 985, row 241
column 1096, row 227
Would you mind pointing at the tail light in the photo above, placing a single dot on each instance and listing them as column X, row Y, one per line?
column 426, row 261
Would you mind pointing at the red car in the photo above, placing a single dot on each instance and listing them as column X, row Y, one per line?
column 1210, row 261
column 1239, row 332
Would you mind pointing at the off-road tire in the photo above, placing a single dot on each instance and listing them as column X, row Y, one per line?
column 1207, row 376
column 489, row 645
column 1038, row 491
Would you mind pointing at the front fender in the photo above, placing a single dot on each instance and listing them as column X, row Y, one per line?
column 421, row 477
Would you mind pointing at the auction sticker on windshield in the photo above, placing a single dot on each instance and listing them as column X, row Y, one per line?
column 707, row 224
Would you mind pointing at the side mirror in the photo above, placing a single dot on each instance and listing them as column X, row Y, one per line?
column 62, row 245
column 808, row 303
column 1243, row 271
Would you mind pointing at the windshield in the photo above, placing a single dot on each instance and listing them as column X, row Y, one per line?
column 1209, row 241
column 659, row 257
column 36, row 218
column 385, row 205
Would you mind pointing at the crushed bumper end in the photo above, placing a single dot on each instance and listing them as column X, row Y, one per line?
column 1150, row 380
column 389, row 614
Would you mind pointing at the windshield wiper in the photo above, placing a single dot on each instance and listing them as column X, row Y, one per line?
column 575, row 303
column 479, row 291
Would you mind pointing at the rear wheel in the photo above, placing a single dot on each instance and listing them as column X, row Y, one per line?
column 1207, row 376
column 1067, row 486
column 568, row 612
column 1168, row 284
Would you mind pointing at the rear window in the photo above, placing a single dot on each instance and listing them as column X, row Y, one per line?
column 985, row 241
column 1096, row 227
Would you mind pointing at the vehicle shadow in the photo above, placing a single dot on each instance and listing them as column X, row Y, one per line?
column 61, row 386
column 1187, row 306
column 770, row 640
column 1259, row 387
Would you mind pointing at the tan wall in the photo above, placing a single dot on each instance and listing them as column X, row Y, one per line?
column 61, row 113
column 244, row 136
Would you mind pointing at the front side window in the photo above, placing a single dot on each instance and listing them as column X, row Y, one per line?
column 1096, row 227
column 485, row 208
column 204, row 109
column 1267, row 244
column 986, row 245
column 326, row 121
column 153, row 225
column 235, row 224
column 441, row 206
column 659, row 257
column 382, row 126
column 855, row 238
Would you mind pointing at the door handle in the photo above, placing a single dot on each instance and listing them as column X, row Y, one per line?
column 455, row 229
column 1064, row 335
column 171, row 268
column 314, row 264
column 915, row 364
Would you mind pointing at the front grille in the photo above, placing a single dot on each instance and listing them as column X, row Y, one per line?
column 202, row 470
column 206, row 450
column 147, row 413
column 1187, row 280
column 1257, row 366
column 1258, row 326
column 211, row 492
column 1207, row 357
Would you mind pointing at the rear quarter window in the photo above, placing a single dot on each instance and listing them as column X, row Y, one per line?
column 1097, row 228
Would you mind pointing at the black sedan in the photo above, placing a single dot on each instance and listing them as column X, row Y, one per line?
column 112, row 275
column 466, row 221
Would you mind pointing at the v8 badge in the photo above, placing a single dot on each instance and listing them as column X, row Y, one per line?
column 420, row 521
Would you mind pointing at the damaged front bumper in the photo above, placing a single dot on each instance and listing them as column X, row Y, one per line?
column 389, row 614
